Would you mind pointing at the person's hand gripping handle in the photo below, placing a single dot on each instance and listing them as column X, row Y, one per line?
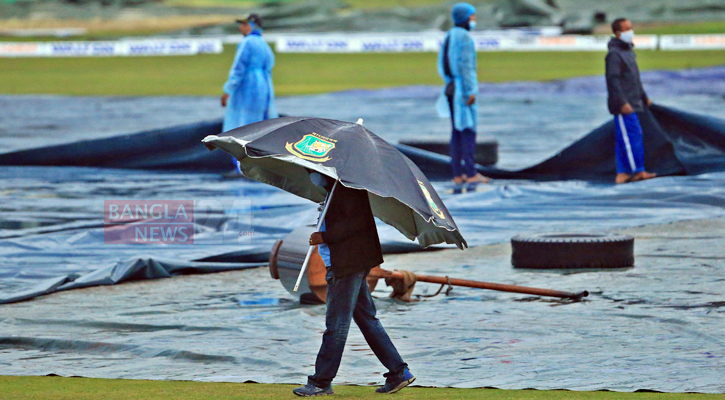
column 312, row 247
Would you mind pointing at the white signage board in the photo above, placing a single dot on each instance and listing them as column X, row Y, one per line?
column 145, row 47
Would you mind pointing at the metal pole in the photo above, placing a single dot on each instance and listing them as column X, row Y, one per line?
column 481, row 285
column 312, row 247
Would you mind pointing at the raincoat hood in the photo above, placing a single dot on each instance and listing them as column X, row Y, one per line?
column 461, row 12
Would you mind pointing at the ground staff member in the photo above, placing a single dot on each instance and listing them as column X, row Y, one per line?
column 626, row 99
column 349, row 245
column 457, row 67
column 249, row 93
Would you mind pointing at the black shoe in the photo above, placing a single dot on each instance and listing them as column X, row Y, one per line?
column 395, row 383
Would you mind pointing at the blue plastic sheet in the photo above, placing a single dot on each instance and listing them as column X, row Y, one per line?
column 657, row 326
column 54, row 214
column 675, row 143
column 174, row 147
column 640, row 329
column 53, row 226
column 523, row 117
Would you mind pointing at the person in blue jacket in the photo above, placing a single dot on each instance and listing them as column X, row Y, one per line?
column 249, row 93
column 457, row 67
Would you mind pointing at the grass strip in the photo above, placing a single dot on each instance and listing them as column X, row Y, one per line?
column 217, row 12
column 297, row 74
column 59, row 388
column 687, row 28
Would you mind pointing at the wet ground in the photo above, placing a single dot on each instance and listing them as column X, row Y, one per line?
column 656, row 326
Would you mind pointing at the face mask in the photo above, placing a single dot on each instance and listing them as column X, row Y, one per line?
column 472, row 25
column 318, row 180
column 627, row 36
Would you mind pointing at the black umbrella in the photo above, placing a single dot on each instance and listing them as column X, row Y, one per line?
column 282, row 151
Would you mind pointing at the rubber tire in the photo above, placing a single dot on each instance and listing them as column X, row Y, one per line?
column 574, row 250
column 486, row 149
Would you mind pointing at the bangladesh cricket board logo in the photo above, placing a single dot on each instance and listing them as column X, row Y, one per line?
column 313, row 147
column 431, row 203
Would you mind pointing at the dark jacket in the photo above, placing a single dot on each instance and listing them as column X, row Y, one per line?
column 623, row 82
column 350, row 232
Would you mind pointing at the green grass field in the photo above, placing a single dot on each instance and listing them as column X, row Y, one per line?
column 692, row 28
column 296, row 74
column 57, row 388
column 359, row 4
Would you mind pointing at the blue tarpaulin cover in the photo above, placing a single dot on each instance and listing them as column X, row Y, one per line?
column 656, row 326
column 675, row 142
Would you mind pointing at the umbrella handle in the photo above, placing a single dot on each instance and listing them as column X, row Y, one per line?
column 312, row 247
column 304, row 267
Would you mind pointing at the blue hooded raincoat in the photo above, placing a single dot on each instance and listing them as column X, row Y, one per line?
column 462, row 62
column 250, row 89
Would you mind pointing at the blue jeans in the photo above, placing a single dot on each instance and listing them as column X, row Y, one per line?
column 349, row 298
column 628, row 144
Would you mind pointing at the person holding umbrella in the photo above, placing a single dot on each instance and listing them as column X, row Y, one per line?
column 356, row 175
column 248, row 92
column 457, row 67
column 349, row 245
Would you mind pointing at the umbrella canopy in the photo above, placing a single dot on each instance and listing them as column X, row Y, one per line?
column 282, row 151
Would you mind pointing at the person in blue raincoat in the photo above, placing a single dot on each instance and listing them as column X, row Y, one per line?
column 457, row 67
column 249, row 93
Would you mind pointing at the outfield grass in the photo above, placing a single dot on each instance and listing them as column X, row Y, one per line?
column 112, row 29
column 297, row 74
column 57, row 388
column 358, row 4
column 690, row 28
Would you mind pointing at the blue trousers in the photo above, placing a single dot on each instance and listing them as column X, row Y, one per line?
column 628, row 145
column 349, row 298
column 463, row 148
